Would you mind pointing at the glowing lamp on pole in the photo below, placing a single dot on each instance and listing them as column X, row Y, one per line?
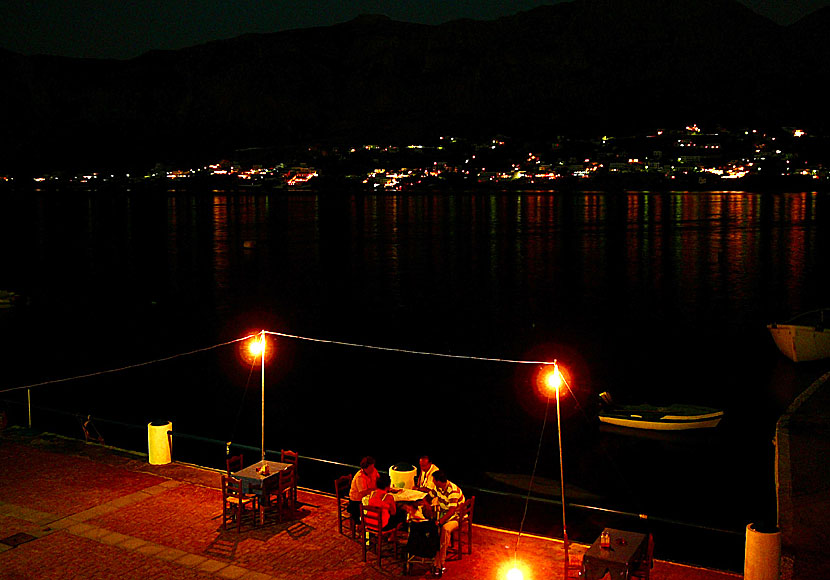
column 256, row 347
column 554, row 381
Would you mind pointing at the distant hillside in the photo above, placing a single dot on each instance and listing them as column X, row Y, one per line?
column 585, row 65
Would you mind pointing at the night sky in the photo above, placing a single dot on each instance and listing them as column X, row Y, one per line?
column 113, row 29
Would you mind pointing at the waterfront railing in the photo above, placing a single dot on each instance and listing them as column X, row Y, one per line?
column 210, row 453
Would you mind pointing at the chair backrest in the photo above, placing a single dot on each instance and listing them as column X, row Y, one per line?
column 234, row 463
column 643, row 568
column 291, row 457
column 468, row 507
column 372, row 519
column 231, row 487
column 287, row 476
column 341, row 487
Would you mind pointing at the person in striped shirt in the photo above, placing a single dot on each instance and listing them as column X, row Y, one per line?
column 447, row 499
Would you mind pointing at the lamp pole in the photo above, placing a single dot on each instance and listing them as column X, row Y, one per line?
column 561, row 477
column 262, row 373
column 555, row 381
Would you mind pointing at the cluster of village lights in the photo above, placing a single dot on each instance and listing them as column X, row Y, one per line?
column 552, row 379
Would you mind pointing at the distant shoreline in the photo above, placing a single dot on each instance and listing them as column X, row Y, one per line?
column 694, row 183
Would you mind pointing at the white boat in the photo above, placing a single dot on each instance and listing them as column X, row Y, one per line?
column 804, row 337
column 661, row 418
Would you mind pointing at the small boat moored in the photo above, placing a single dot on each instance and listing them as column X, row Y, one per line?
column 675, row 417
column 805, row 337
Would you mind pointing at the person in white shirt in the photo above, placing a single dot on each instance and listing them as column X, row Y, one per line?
column 425, row 482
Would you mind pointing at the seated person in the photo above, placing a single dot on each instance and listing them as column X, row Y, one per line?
column 363, row 483
column 391, row 516
column 447, row 498
column 425, row 474
column 419, row 511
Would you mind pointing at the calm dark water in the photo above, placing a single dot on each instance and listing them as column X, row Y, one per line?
column 653, row 297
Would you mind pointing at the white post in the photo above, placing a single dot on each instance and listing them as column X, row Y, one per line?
column 561, row 476
column 262, row 366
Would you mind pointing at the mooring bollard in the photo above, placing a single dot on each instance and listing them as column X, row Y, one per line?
column 763, row 553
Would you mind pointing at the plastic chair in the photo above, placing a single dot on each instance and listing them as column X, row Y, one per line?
column 643, row 569
column 341, row 490
column 371, row 523
column 234, row 502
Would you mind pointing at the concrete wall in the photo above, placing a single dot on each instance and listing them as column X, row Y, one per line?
column 802, row 441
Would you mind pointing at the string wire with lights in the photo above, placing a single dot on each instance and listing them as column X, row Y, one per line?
column 284, row 335
column 124, row 368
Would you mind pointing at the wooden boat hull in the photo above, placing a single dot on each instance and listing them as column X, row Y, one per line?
column 801, row 343
column 708, row 422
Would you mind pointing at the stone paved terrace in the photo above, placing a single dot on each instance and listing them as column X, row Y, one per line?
column 87, row 511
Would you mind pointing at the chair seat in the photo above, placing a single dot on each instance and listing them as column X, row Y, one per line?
column 244, row 499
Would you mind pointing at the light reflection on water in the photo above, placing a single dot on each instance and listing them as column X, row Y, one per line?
column 655, row 296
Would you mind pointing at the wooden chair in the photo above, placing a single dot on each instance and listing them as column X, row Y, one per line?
column 341, row 490
column 234, row 502
column 291, row 457
column 234, row 463
column 287, row 489
column 371, row 522
column 643, row 569
column 465, row 519
column 573, row 565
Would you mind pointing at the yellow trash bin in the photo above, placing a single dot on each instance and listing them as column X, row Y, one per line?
column 403, row 475
column 160, row 444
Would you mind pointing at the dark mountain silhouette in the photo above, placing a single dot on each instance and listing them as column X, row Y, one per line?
column 588, row 65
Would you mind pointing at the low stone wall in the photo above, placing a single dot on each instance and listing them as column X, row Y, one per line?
column 802, row 472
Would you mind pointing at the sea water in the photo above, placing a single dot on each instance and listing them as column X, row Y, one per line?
column 654, row 297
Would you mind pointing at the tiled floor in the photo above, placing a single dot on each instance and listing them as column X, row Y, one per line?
column 99, row 513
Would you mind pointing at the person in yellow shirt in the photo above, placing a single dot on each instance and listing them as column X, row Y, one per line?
column 363, row 482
